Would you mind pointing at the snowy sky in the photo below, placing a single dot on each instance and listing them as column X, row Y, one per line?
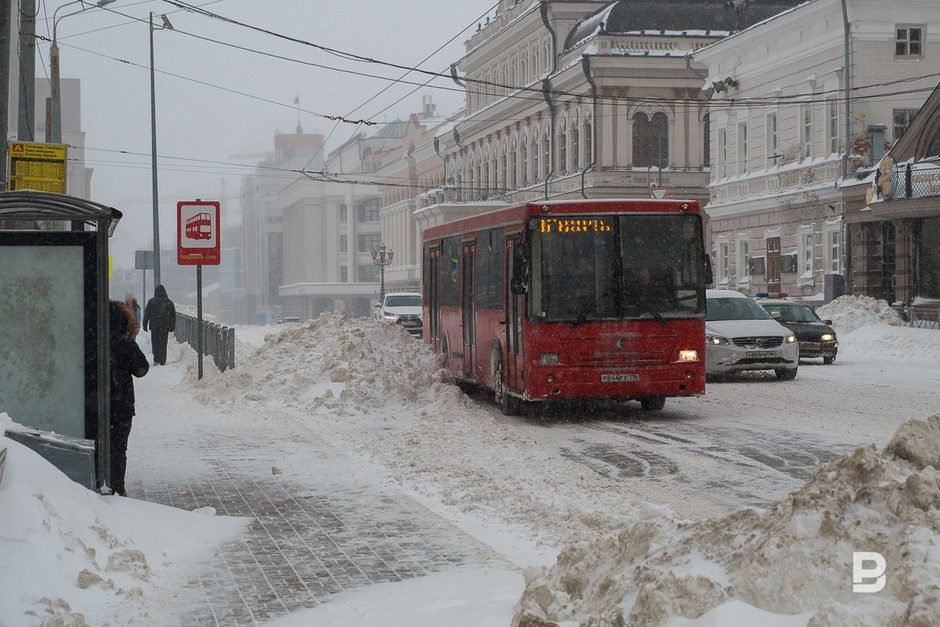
column 220, row 104
column 108, row 557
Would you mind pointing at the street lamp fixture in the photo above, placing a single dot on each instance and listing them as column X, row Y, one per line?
column 153, row 151
column 382, row 258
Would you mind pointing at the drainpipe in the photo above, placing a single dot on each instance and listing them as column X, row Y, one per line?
column 586, row 68
column 547, row 90
column 847, row 35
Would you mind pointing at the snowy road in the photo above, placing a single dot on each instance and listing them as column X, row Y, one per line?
column 558, row 475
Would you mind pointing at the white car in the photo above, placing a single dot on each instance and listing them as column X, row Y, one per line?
column 741, row 335
column 403, row 308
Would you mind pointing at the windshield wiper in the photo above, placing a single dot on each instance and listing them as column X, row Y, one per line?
column 647, row 307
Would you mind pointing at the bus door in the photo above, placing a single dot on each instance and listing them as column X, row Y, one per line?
column 432, row 297
column 515, row 308
column 468, row 306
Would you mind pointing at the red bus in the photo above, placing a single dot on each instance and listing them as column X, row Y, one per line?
column 562, row 300
column 199, row 226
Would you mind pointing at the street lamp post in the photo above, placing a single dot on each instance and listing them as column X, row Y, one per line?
column 56, row 125
column 153, row 153
column 55, row 89
column 382, row 258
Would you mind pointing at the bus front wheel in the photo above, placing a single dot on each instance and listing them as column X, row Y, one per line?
column 653, row 403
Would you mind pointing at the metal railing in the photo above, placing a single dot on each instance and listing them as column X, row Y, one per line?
column 217, row 340
column 921, row 316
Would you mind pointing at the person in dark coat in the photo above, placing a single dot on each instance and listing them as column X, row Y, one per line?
column 159, row 319
column 127, row 361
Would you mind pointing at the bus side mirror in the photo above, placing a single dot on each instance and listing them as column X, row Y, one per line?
column 709, row 277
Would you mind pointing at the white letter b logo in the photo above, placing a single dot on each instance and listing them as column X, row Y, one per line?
column 860, row 573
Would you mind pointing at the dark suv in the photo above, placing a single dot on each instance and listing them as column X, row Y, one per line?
column 815, row 336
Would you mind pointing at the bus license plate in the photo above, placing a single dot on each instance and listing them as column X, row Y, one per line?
column 759, row 354
column 627, row 377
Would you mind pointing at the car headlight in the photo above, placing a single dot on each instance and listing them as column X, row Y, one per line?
column 391, row 317
column 716, row 340
column 827, row 337
column 791, row 339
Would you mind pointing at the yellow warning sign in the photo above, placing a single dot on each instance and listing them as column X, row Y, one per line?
column 36, row 166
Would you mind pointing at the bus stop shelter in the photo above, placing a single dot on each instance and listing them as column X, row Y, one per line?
column 54, row 340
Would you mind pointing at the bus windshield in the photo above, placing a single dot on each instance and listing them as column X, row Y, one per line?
column 615, row 267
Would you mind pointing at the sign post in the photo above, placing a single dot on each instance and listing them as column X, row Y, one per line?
column 143, row 260
column 198, row 227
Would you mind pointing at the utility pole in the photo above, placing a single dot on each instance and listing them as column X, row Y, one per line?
column 6, row 15
column 26, row 127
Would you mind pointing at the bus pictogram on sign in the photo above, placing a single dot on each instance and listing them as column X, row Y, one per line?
column 197, row 233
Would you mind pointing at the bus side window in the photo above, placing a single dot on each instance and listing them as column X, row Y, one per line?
column 517, row 284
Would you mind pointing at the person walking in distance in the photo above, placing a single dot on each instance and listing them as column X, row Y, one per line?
column 159, row 319
column 127, row 361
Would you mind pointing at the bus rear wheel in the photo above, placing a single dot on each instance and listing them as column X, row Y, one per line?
column 508, row 404
column 653, row 403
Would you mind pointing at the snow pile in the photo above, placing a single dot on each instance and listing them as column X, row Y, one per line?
column 73, row 557
column 332, row 364
column 853, row 312
column 794, row 558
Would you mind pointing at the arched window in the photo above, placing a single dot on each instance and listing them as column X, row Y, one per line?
column 524, row 158
column 503, row 170
column 513, row 163
column 523, row 69
column 546, row 151
column 575, row 141
column 588, row 140
column 536, row 172
column 933, row 149
column 650, row 140
column 535, row 63
column 563, row 146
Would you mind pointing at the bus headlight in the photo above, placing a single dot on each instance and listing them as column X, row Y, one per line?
column 548, row 359
column 688, row 355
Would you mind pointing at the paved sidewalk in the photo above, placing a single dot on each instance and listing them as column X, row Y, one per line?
column 322, row 522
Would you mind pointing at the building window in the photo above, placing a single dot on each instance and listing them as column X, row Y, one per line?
column 902, row 119
column 547, row 153
column 806, row 252
column 342, row 214
column 742, row 148
column 650, row 140
column 536, row 173
column 909, row 41
column 524, row 158
column 369, row 210
column 772, row 144
column 588, row 141
column 723, row 152
column 724, row 261
column 369, row 242
column 343, row 274
column 563, row 148
column 833, row 107
column 707, row 156
column 834, row 251
column 369, row 273
column 806, row 137
column 343, row 243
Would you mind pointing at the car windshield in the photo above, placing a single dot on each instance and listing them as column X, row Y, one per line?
column 403, row 300
column 734, row 309
column 793, row 313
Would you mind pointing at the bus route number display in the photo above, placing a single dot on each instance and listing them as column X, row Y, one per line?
column 574, row 225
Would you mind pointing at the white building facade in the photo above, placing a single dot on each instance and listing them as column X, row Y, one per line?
column 789, row 124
